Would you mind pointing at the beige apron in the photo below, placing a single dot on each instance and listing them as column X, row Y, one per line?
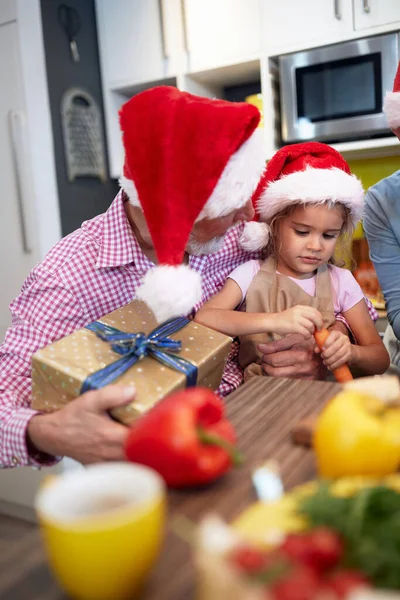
column 271, row 292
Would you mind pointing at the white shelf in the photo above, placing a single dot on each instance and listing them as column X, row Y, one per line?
column 131, row 89
column 387, row 146
column 229, row 75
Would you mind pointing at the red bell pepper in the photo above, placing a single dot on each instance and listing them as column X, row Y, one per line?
column 185, row 437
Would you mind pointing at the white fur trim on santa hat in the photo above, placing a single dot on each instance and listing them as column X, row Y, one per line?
column 238, row 180
column 312, row 186
column 234, row 188
column 130, row 190
column 255, row 236
column 170, row 291
column 391, row 108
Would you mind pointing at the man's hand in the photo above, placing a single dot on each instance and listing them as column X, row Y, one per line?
column 293, row 356
column 82, row 429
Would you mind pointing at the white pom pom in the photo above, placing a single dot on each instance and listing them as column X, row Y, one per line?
column 255, row 236
column 170, row 291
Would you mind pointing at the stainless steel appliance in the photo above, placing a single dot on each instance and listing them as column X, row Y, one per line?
column 335, row 93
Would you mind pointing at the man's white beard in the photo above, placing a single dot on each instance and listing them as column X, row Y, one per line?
column 211, row 247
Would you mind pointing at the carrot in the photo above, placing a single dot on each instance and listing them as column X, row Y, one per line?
column 343, row 373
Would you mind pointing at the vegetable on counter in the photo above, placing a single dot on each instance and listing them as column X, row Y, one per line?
column 305, row 566
column 186, row 438
column 342, row 374
column 357, row 434
column 368, row 522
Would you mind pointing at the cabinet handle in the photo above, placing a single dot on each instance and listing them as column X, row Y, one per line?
column 15, row 121
column 336, row 8
column 162, row 27
column 366, row 6
column 184, row 21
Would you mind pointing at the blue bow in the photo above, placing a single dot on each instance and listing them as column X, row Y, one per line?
column 134, row 346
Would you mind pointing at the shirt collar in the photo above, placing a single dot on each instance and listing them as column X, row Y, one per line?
column 119, row 245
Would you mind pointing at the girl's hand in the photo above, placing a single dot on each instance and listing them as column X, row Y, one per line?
column 337, row 350
column 299, row 319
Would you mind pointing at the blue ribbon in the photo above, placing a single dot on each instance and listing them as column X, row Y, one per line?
column 135, row 346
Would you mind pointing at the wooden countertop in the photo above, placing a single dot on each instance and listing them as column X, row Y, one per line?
column 263, row 412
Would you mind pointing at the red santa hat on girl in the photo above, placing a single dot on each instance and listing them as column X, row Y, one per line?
column 308, row 173
column 391, row 103
column 187, row 158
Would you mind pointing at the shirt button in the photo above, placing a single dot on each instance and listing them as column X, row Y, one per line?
column 15, row 460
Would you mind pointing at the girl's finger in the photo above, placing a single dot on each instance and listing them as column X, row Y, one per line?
column 318, row 322
column 313, row 315
column 336, row 360
column 305, row 333
column 333, row 337
column 336, row 364
column 303, row 329
column 332, row 350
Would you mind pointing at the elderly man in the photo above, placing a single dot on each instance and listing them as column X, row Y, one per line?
column 170, row 237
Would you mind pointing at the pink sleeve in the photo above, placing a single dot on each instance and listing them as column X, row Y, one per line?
column 244, row 274
column 348, row 291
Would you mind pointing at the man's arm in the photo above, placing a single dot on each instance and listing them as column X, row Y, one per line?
column 43, row 312
column 385, row 254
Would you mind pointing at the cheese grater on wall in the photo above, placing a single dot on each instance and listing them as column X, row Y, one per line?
column 83, row 135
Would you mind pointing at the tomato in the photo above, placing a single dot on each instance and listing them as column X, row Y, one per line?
column 248, row 559
column 344, row 581
column 301, row 583
column 320, row 548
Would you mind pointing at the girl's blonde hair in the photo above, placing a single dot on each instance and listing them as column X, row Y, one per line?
column 344, row 240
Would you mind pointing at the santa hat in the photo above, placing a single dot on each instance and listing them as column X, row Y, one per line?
column 187, row 158
column 391, row 103
column 302, row 173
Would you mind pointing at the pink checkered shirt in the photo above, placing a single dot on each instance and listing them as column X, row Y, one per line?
column 88, row 274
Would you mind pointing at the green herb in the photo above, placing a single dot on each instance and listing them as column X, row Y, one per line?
column 369, row 522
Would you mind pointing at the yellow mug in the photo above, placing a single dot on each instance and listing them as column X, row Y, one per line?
column 103, row 528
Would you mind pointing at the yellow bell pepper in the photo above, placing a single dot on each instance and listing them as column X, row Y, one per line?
column 357, row 434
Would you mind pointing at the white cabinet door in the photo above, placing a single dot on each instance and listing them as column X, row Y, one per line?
column 296, row 25
column 17, row 237
column 133, row 40
column 376, row 13
column 220, row 32
column 8, row 11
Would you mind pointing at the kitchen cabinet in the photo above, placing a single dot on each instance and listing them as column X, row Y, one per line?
column 29, row 217
column 140, row 45
column 217, row 32
column 376, row 13
column 138, row 40
column 17, row 231
column 292, row 26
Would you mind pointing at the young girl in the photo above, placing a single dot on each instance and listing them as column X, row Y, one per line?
column 307, row 200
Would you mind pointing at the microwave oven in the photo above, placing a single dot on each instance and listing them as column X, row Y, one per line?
column 335, row 93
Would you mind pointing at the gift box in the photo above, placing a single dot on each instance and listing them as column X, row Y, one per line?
column 127, row 347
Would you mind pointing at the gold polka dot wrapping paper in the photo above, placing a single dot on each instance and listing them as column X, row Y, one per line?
column 60, row 369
